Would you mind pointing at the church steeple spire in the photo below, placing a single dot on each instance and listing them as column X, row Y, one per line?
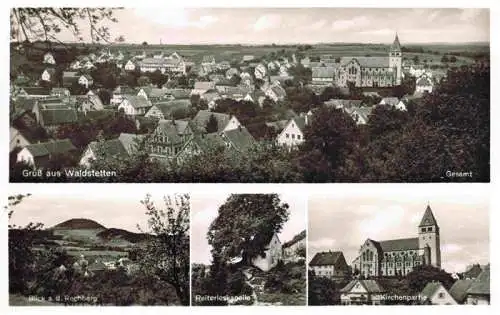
column 396, row 46
column 428, row 218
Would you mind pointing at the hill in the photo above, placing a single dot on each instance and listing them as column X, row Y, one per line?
column 113, row 233
column 78, row 224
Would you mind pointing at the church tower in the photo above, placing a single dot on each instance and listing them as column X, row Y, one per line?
column 428, row 238
column 395, row 59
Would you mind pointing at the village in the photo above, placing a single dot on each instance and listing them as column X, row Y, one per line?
column 114, row 104
column 405, row 271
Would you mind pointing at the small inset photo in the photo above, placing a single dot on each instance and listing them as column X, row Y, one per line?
column 119, row 247
column 400, row 248
column 248, row 249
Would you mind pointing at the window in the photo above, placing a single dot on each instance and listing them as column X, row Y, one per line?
column 287, row 136
column 429, row 229
column 441, row 295
column 293, row 136
column 298, row 137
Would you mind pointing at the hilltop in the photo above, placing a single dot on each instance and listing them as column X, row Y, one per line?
column 79, row 223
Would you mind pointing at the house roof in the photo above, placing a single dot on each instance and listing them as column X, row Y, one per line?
column 169, row 106
column 430, row 289
column 371, row 286
column 58, row 116
column 172, row 128
column 399, row 244
column 240, row 138
column 326, row 258
column 124, row 90
column 70, row 74
column 278, row 90
column 51, row 147
column 367, row 62
column 32, row 90
column 473, row 272
column 178, row 93
column 153, row 92
column 51, row 71
column 393, row 101
column 137, row 101
column 204, row 85
column 113, row 147
column 459, row 289
column 363, row 112
column 481, row 285
column 59, row 90
column 130, row 141
column 428, row 218
column 202, row 117
column 297, row 238
column 208, row 59
column 323, row 72
column 278, row 125
column 300, row 122
column 423, row 81
column 342, row 103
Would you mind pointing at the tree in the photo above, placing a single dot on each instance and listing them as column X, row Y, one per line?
column 167, row 253
column 143, row 81
column 453, row 59
column 322, row 291
column 32, row 24
column 120, row 39
column 416, row 60
column 423, row 274
column 244, row 225
column 212, row 124
column 444, row 59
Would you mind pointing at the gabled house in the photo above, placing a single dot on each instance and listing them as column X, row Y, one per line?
column 89, row 65
column 329, row 264
column 273, row 252
column 122, row 147
column 40, row 153
column 394, row 102
column 224, row 121
column 201, row 87
column 292, row 248
column 129, row 66
column 53, row 117
column 164, row 110
column 238, row 139
column 134, row 105
column 48, row 75
column 85, row 80
column 231, row 72
column 211, row 98
column 119, row 94
column 177, row 94
column 293, row 134
column 260, row 71
column 169, row 138
column 276, row 93
column 423, row 84
column 248, row 58
column 76, row 65
column 17, row 139
column 479, row 291
column 48, row 58
column 89, row 103
column 360, row 115
column 362, row 292
column 152, row 94
column 257, row 97
column 434, row 293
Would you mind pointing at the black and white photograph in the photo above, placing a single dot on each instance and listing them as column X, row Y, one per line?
column 249, row 94
column 95, row 249
column 406, row 248
column 248, row 249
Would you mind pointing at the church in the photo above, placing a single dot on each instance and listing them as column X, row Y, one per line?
column 398, row 257
column 371, row 71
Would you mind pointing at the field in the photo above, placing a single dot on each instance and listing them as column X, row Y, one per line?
column 97, row 253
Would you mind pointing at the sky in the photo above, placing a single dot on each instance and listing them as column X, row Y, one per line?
column 343, row 224
column 204, row 209
column 113, row 208
column 177, row 25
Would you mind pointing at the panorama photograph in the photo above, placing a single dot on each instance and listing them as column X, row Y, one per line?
column 249, row 95
column 87, row 248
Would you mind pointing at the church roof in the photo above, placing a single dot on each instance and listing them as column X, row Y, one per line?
column 396, row 45
column 428, row 218
column 367, row 62
column 399, row 244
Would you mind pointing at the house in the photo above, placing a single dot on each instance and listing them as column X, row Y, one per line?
column 394, row 102
column 236, row 93
column 169, row 65
column 323, row 75
column 69, row 78
column 238, row 139
column 279, row 79
column 17, row 139
column 48, row 58
column 34, row 92
column 202, row 87
column 329, row 264
column 459, row 290
column 89, row 103
column 129, row 66
column 60, row 92
column 479, row 291
column 223, row 65
column 293, row 134
column 362, row 292
column 169, row 138
column 360, row 115
column 423, row 84
column 134, row 105
column 257, row 96
column 293, row 248
column 272, row 253
column 151, row 93
column 85, row 80
column 40, row 153
column 211, row 98
column 472, row 272
column 276, row 93
column 88, row 65
column 208, row 60
column 164, row 110
column 434, row 293
column 122, row 147
column 119, row 93
column 224, row 121
column 48, row 74
column 217, row 78
column 52, row 118
column 260, row 71
column 248, row 58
